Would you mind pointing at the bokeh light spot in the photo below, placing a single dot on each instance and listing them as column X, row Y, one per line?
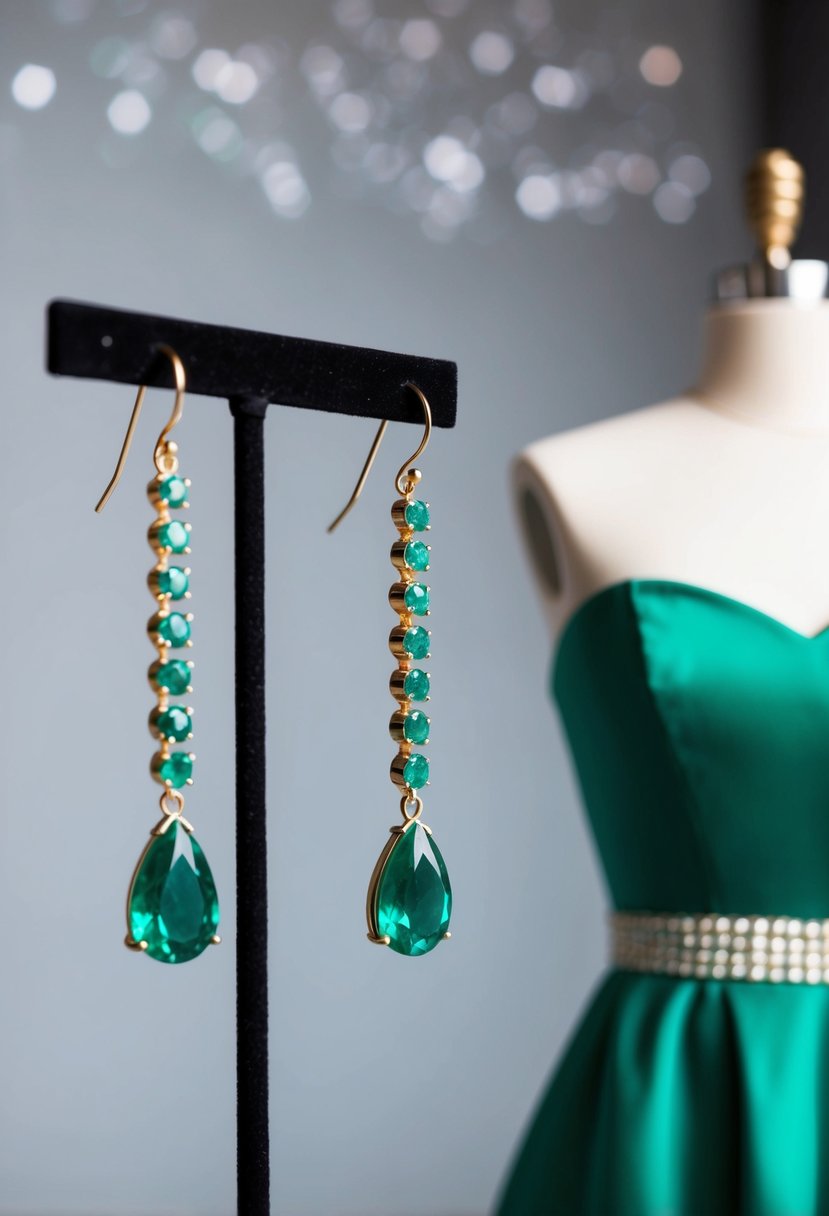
column 217, row 134
column 539, row 196
column 286, row 189
column 559, row 88
column 449, row 160
column 236, row 82
column 638, row 174
column 34, row 86
column 420, row 39
column 323, row 69
column 129, row 112
column 674, row 203
column 491, row 52
column 691, row 172
column 351, row 112
column 351, row 14
column 207, row 66
column 172, row 36
column 661, row 66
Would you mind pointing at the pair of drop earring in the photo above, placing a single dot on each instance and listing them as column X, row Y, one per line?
column 172, row 904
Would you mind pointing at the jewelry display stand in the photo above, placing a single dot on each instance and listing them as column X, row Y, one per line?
column 250, row 370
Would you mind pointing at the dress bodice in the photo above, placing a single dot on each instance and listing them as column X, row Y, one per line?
column 699, row 728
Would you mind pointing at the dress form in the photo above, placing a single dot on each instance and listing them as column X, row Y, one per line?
column 697, row 729
column 725, row 486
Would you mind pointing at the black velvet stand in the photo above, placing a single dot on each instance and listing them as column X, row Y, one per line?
column 250, row 370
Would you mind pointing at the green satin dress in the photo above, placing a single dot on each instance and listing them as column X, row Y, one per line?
column 699, row 728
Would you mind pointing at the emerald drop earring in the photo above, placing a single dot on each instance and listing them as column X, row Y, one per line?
column 409, row 899
column 172, row 906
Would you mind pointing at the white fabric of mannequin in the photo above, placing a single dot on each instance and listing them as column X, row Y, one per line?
column 725, row 487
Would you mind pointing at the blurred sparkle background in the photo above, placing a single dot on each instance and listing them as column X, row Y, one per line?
column 539, row 191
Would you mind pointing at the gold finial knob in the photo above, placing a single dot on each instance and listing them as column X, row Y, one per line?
column 774, row 190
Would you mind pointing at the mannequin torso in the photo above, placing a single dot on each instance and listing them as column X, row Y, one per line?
column 726, row 487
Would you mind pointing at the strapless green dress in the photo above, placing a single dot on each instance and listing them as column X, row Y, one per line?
column 699, row 729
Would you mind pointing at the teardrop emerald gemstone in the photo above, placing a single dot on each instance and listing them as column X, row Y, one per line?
column 413, row 902
column 173, row 905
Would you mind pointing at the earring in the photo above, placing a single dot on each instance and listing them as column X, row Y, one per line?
column 409, row 898
column 172, row 906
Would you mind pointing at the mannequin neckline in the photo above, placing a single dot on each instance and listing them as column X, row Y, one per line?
column 715, row 406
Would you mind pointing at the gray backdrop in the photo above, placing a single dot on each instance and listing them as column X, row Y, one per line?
column 399, row 1086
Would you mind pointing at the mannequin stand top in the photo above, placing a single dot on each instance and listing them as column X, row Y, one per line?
column 725, row 487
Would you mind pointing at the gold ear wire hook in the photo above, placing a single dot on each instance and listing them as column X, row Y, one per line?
column 178, row 406
column 406, row 474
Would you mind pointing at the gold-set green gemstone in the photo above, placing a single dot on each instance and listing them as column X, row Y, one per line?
column 413, row 900
column 416, row 772
column 416, row 684
column 416, row 515
column 172, row 628
column 173, row 677
column 416, row 555
column 173, row 723
column 172, row 490
column 173, row 582
column 173, row 908
column 416, row 727
column 174, row 770
column 171, row 537
column 416, row 642
column 416, row 598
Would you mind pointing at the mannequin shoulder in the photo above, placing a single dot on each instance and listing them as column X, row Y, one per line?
column 585, row 497
column 614, row 452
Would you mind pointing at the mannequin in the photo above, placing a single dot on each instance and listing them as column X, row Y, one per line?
column 681, row 552
column 700, row 488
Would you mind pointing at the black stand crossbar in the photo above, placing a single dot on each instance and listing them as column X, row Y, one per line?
column 110, row 344
column 250, row 370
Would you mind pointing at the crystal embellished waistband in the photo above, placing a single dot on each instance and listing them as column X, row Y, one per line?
column 776, row 949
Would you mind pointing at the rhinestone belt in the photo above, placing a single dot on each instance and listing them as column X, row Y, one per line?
column 779, row 949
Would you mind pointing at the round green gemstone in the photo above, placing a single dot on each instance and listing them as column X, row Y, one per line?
column 417, row 515
column 173, row 628
column 416, row 555
column 416, row 727
column 174, row 723
column 175, row 770
column 416, row 598
column 173, row 906
column 413, row 904
column 173, row 581
column 173, row 491
column 173, row 677
column 416, row 642
column 416, row 772
column 416, row 685
column 174, row 536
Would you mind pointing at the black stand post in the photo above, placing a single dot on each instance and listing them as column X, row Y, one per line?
column 250, row 370
column 253, row 1179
